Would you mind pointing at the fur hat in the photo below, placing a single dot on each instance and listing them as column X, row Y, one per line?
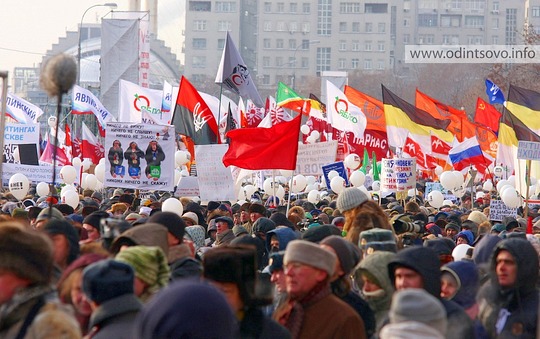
column 310, row 254
column 351, row 198
column 348, row 254
column 478, row 217
column 174, row 223
column 27, row 254
column 257, row 208
column 377, row 239
column 107, row 279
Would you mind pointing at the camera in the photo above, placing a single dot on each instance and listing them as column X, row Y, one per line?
column 406, row 226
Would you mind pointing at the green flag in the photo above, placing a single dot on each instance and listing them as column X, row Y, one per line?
column 365, row 162
column 287, row 98
column 374, row 166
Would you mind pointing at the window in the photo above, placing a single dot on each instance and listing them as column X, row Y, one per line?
column 199, row 25
column 511, row 26
column 266, row 43
column 199, row 62
column 267, row 7
column 279, row 61
column 495, row 40
column 381, row 27
column 367, row 46
column 495, row 23
column 266, row 79
column 224, row 25
column 495, row 6
column 376, row 8
column 199, row 44
column 426, row 39
column 427, row 20
column 293, row 26
column 293, row 7
column 535, row 11
column 306, row 8
column 342, row 63
column 369, row 27
column 267, row 26
column 474, row 21
column 354, row 63
column 200, row 6
column 280, row 7
column 450, row 20
column 406, row 22
column 342, row 45
column 406, row 38
column 324, row 58
column 266, row 61
column 356, row 27
column 324, row 17
column 342, row 27
column 291, row 62
column 380, row 46
column 450, row 39
column 221, row 44
column 305, row 27
column 281, row 26
column 367, row 64
column 292, row 43
column 225, row 6
column 355, row 47
column 475, row 39
column 380, row 64
column 305, row 62
column 305, row 45
column 279, row 43
column 349, row 7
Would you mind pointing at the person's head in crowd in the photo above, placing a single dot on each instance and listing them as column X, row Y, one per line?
column 414, row 313
column 197, row 234
column 132, row 217
column 277, row 275
column 465, row 237
column 45, row 215
column 149, row 263
column 118, row 209
column 469, row 225
column 92, row 225
column 106, row 280
column 280, row 219
column 70, row 288
column 360, row 212
column 278, row 238
column 317, row 233
column 307, row 266
column 147, row 234
column 224, row 224
column 348, row 256
column 412, row 207
column 190, row 218
column 262, row 226
column 126, row 199
column 256, row 211
column 97, row 197
column 160, row 318
column 65, row 241
column 255, row 243
column 451, row 229
column 244, row 212
column 33, row 213
column 443, row 249
column 173, row 222
column 339, row 222
column 460, row 283
column 239, row 230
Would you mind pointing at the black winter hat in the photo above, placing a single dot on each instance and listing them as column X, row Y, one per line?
column 55, row 226
column 107, row 279
column 174, row 223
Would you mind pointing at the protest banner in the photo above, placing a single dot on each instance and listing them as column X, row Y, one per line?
column 338, row 167
column 215, row 180
column 498, row 210
column 21, row 143
column 437, row 186
column 398, row 174
column 312, row 157
column 187, row 187
column 36, row 173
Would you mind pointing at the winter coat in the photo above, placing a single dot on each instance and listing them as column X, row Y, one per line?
column 521, row 301
column 255, row 325
column 425, row 262
column 115, row 318
column 148, row 234
column 283, row 234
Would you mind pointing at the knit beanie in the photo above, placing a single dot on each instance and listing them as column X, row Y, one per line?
column 174, row 223
column 414, row 304
column 467, row 235
column 350, row 198
column 149, row 263
column 478, row 217
column 107, row 279
column 377, row 239
column 310, row 254
column 192, row 217
column 453, row 226
column 27, row 254
column 317, row 233
column 348, row 254
column 55, row 226
column 94, row 219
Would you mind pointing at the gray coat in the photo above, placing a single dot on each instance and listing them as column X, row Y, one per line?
column 115, row 318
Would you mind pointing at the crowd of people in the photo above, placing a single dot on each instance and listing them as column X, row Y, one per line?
column 349, row 266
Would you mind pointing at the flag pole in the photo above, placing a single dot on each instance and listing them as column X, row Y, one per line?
column 289, row 197
column 219, row 111
column 527, row 182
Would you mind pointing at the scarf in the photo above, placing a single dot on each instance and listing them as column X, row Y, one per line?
column 22, row 298
column 224, row 238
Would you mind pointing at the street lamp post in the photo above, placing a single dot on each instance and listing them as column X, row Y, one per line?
column 112, row 5
column 293, row 79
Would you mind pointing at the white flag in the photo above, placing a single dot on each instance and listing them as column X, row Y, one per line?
column 342, row 114
column 21, row 110
column 234, row 73
column 85, row 102
column 133, row 98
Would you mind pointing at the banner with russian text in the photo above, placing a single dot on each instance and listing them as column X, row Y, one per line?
column 398, row 174
column 21, row 110
column 85, row 102
column 21, row 143
column 140, row 156
column 36, row 173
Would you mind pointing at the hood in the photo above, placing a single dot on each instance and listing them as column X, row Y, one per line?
column 466, row 274
column 527, row 262
column 425, row 262
column 284, row 235
column 376, row 266
column 484, row 248
column 149, row 234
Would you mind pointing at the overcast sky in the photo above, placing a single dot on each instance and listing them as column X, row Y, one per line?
column 28, row 28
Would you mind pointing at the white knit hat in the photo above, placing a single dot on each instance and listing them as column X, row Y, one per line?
column 350, row 198
column 310, row 254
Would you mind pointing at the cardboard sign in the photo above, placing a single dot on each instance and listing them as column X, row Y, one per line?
column 312, row 157
column 398, row 174
column 528, row 150
column 498, row 210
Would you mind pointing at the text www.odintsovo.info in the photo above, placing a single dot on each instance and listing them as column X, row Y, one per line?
column 471, row 54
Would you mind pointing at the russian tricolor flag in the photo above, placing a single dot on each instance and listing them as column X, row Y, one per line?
column 468, row 153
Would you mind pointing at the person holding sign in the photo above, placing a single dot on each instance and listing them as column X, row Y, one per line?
column 116, row 157
column 154, row 156
column 133, row 155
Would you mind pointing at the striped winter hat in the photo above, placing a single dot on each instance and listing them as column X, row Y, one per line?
column 149, row 263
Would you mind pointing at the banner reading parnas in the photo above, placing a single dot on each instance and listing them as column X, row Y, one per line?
column 140, row 156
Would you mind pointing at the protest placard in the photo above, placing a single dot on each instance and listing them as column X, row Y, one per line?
column 498, row 210
column 215, row 180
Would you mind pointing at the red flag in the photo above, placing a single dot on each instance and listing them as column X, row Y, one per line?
column 413, row 149
column 254, row 114
column 192, row 116
column 264, row 148
column 439, row 146
column 487, row 115
column 90, row 145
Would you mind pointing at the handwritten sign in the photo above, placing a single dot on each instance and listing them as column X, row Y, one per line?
column 398, row 174
column 528, row 150
column 215, row 180
column 187, row 187
column 498, row 210
column 312, row 157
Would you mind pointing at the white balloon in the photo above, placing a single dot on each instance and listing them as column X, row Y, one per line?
column 177, row 176
column 77, row 162
column 448, row 180
column 512, row 180
column 487, row 186
column 311, row 139
column 172, row 205
column 268, row 186
column 51, row 122
column 286, row 173
column 101, row 161
column 505, row 188
column 500, row 184
column 366, row 192
column 19, row 185
column 376, row 185
column 280, row 192
column 304, row 129
column 42, row 189
column 68, row 174
column 99, row 186
column 411, row 192
column 182, row 157
column 511, row 198
column 438, row 170
column 314, row 196
column 337, row 184
column 299, row 182
column 311, row 179
column 459, row 178
column 184, row 173
column 86, row 164
column 498, row 171
column 352, row 161
column 357, row 178
column 99, row 172
column 435, row 199
column 250, row 189
column 322, row 184
column 67, row 188
column 332, row 174
column 71, row 198
column 312, row 187
column 315, row 135
column 83, row 180
column 479, row 195
column 459, row 191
